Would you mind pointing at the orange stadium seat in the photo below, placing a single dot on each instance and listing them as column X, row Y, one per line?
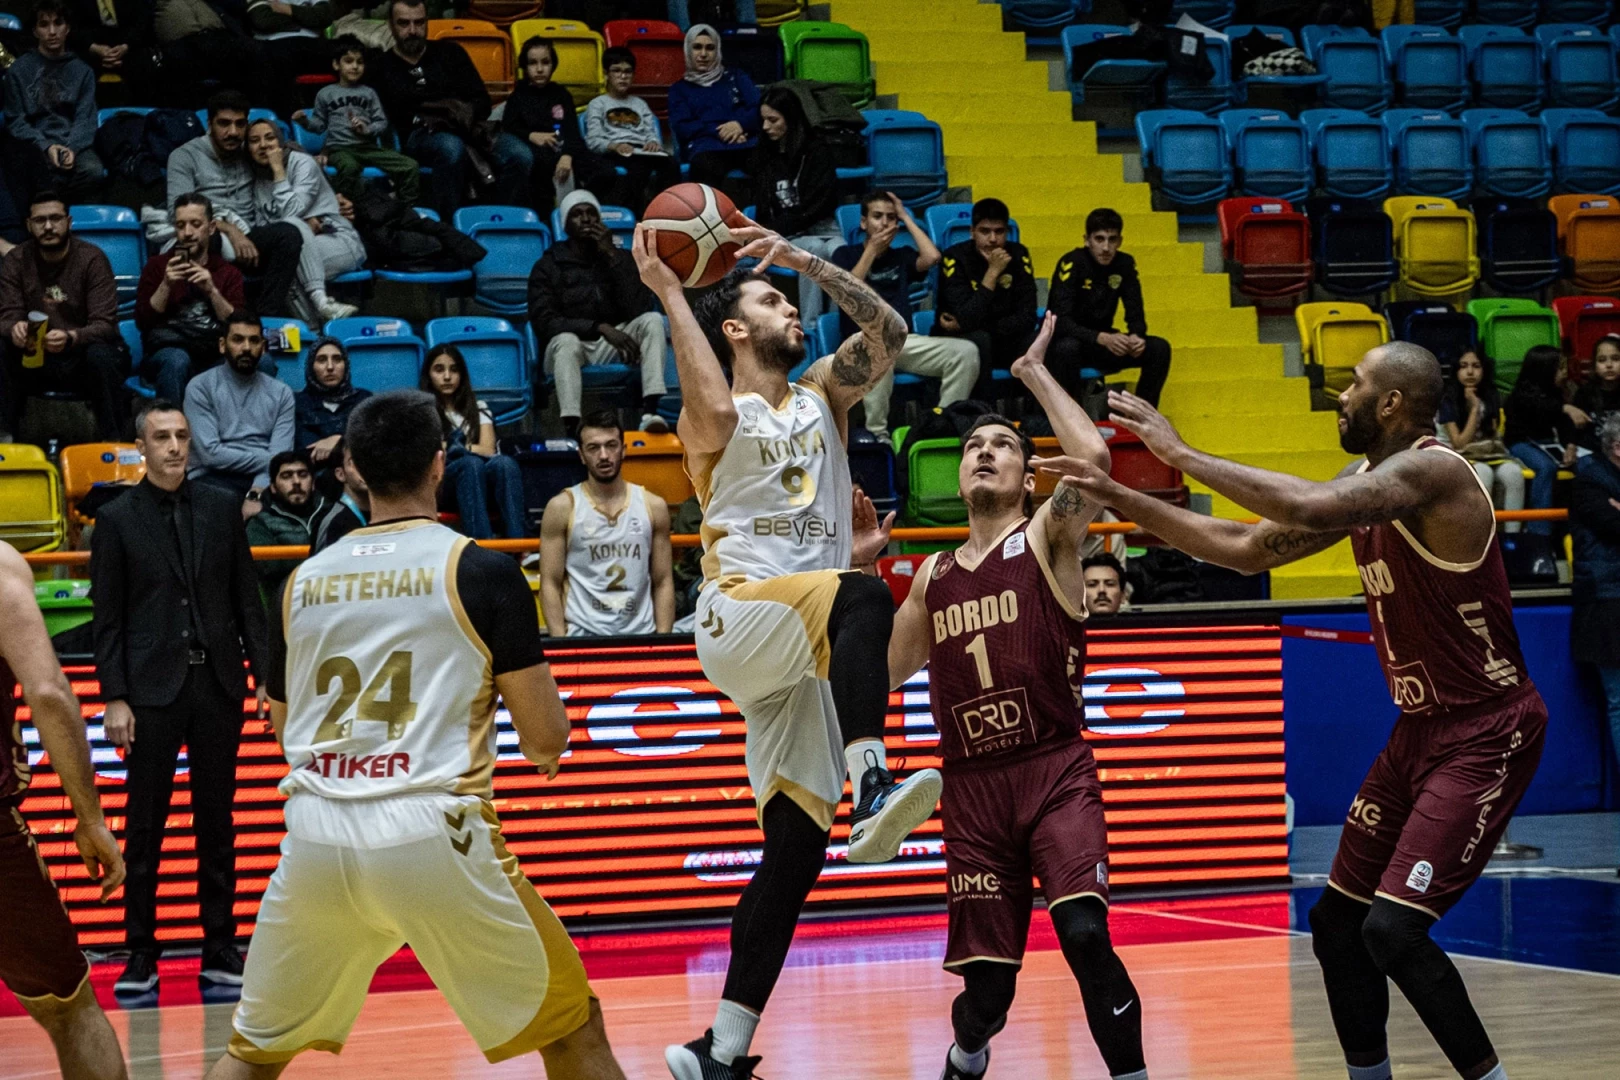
column 657, row 463
column 1589, row 233
column 88, row 464
column 489, row 47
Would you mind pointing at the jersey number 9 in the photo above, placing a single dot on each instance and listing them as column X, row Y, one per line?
column 800, row 486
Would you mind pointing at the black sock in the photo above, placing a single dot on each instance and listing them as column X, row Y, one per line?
column 649, row 404
column 768, row 911
column 1398, row 938
column 980, row 1010
column 1357, row 992
column 858, row 631
column 1113, row 1010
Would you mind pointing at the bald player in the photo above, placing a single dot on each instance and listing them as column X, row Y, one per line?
column 1469, row 736
column 40, row 960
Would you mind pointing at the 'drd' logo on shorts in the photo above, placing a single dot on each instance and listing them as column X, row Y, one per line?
column 1421, row 877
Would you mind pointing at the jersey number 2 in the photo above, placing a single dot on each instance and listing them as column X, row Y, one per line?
column 396, row 710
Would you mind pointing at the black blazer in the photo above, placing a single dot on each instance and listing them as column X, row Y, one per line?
column 141, row 622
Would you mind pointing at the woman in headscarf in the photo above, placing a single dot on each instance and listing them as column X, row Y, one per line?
column 796, row 188
column 714, row 110
column 323, row 406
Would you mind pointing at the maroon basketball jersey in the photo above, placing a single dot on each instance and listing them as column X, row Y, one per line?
column 1444, row 631
column 14, row 770
column 1006, row 654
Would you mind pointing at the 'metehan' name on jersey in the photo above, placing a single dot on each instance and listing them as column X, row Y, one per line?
column 365, row 585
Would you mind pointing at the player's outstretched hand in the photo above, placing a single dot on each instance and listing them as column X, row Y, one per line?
column 1035, row 356
column 1145, row 422
column 868, row 535
column 655, row 273
column 1092, row 482
column 101, row 856
column 769, row 247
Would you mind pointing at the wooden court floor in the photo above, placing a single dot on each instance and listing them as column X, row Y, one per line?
column 1244, row 1008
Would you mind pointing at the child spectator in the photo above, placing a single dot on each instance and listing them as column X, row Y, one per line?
column 622, row 130
column 1600, row 395
column 351, row 115
column 474, row 470
column 1541, row 428
column 540, row 131
column 50, row 107
column 1468, row 419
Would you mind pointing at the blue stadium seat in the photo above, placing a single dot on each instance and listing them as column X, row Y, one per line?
column 1043, row 14
column 952, row 223
column 433, row 280
column 1210, row 96
column 137, row 353
column 1510, row 152
column 1351, row 152
column 599, row 376
column 849, row 223
column 497, row 361
column 117, row 231
column 1585, row 146
column 254, row 115
column 1296, row 91
column 1127, row 81
column 1215, row 14
column 1430, row 67
column 1581, row 69
column 1504, row 64
column 313, row 143
column 515, row 239
column 1433, row 153
column 871, row 465
column 1518, row 245
column 384, row 353
column 1353, row 245
column 1353, row 61
column 1185, row 155
column 103, row 115
column 620, row 221
column 1590, row 12
column 1446, row 13
column 1520, row 13
column 907, row 155
column 1271, row 153
column 290, row 364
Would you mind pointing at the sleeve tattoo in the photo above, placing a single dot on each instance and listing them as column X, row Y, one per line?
column 1067, row 502
column 862, row 360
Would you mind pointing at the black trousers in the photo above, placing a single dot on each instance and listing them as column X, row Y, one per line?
column 272, row 278
column 994, row 352
column 645, row 176
column 213, row 55
column 95, row 372
column 1069, row 354
column 208, row 721
column 711, row 167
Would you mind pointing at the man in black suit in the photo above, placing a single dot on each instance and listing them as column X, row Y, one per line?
column 176, row 609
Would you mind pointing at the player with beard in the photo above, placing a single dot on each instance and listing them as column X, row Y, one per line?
column 1001, row 623
column 1469, row 736
column 604, row 546
column 791, row 624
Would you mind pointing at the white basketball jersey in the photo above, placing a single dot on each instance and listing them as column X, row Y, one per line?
column 389, row 689
column 608, row 589
column 777, row 499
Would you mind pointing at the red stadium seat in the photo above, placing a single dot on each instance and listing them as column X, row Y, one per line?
column 899, row 572
column 1582, row 320
column 1267, row 244
column 660, row 52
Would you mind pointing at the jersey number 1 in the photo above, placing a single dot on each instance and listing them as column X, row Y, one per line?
column 981, row 659
column 396, row 710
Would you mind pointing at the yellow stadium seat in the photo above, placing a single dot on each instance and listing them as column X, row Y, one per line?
column 777, row 12
column 488, row 46
column 1434, row 244
column 657, row 463
column 88, row 464
column 30, row 500
column 579, row 54
column 1336, row 336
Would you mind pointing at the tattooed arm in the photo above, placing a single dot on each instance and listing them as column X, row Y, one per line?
column 1064, row 517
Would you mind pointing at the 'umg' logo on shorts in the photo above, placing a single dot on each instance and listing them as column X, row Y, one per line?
column 980, row 886
column 1421, row 877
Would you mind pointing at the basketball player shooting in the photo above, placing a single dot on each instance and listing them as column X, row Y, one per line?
column 1469, row 735
column 785, row 627
column 1000, row 622
column 390, row 649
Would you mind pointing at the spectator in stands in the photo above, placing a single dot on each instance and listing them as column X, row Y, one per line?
column 714, row 110
column 1104, row 579
column 475, row 471
column 217, row 165
column 1541, row 429
column 987, row 292
column 293, row 35
column 291, row 509
column 437, row 103
column 891, row 271
column 1599, row 395
column 290, row 186
column 679, row 12
column 352, row 508
column 588, row 306
column 796, row 188
column 183, row 299
column 115, row 38
column 540, row 133
column 50, row 105
column 1594, row 520
column 199, row 47
column 70, row 282
column 621, row 129
column 351, row 114
column 323, row 406
column 1468, row 420
column 1086, row 290
column 240, row 417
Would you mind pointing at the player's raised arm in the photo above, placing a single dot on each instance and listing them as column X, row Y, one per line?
column 708, row 415
column 1064, row 517
column 865, row 357
column 1236, row 545
column 908, row 643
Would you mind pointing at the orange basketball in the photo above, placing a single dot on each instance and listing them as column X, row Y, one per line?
column 693, row 223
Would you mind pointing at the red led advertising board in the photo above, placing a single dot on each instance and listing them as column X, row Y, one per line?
column 652, row 815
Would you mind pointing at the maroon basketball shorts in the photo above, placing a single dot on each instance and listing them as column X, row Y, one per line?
column 1040, row 815
column 39, row 949
column 1437, row 800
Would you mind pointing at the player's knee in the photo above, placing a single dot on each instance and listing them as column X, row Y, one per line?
column 1393, row 933
column 987, row 994
column 1082, row 927
column 1336, row 925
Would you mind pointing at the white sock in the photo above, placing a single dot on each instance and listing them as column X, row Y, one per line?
column 973, row 1063
column 1498, row 1073
column 1380, row 1071
column 858, row 755
column 733, row 1031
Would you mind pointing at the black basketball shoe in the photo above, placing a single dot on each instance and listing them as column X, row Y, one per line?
column 889, row 811
column 692, row 1062
column 953, row 1073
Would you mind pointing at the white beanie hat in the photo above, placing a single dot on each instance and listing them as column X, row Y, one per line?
column 574, row 198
